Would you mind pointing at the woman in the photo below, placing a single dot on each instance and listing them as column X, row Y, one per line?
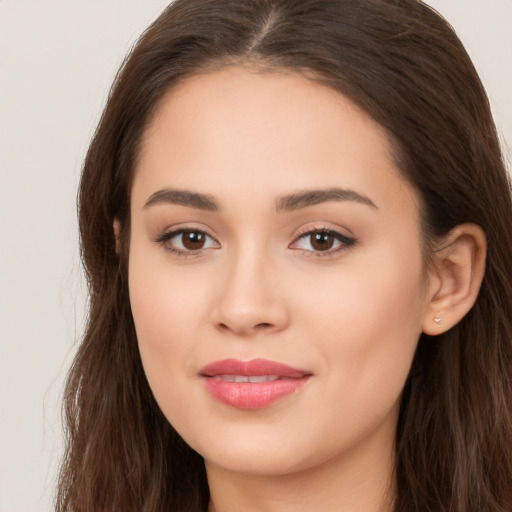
column 296, row 224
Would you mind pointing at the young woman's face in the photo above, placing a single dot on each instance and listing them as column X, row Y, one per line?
column 276, row 274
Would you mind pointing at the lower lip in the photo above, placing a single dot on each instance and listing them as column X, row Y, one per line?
column 257, row 395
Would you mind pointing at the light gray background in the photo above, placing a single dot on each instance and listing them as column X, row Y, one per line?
column 57, row 60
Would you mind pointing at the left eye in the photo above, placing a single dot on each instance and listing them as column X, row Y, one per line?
column 187, row 240
column 322, row 241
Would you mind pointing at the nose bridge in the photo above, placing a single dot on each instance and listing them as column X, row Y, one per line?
column 249, row 300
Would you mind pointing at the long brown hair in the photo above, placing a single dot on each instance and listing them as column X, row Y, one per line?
column 404, row 65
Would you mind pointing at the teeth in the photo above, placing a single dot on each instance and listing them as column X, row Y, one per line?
column 264, row 378
column 247, row 378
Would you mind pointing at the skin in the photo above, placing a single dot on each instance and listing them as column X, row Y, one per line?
column 351, row 315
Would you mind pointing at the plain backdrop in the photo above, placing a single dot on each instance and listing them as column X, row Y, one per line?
column 57, row 60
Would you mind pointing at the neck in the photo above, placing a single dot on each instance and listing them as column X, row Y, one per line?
column 356, row 481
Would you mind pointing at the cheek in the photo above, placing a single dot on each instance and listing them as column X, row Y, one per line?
column 166, row 310
column 164, row 297
column 370, row 325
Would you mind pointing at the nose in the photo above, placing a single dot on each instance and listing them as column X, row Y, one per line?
column 250, row 299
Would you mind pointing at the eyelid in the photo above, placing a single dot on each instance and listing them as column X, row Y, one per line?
column 168, row 234
column 346, row 241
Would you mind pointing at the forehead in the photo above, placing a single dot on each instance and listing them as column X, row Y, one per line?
column 265, row 103
column 240, row 127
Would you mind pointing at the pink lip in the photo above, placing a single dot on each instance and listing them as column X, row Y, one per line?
column 252, row 395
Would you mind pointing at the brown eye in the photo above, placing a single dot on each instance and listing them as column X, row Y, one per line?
column 322, row 241
column 187, row 241
column 193, row 240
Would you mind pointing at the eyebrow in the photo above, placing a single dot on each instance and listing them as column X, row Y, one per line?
column 183, row 198
column 287, row 203
column 312, row 197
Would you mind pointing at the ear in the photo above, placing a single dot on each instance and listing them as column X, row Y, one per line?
column 117, row 235
column 455, row 279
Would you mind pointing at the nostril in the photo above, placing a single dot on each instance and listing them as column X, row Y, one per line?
column 261, row 326
column 264, row 325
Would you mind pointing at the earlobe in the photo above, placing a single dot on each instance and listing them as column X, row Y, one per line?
column 456, row 278
column 117, row 235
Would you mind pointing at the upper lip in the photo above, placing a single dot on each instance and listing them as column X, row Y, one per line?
column 254, row 367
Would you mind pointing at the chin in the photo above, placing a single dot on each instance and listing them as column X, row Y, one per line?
column 257, row 462
column 254, row 452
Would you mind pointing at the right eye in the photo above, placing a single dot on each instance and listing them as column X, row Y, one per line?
column 187, row 241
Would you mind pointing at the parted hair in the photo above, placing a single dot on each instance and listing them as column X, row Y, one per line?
column 404, row 65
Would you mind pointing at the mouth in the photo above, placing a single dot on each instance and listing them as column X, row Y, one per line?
column 253, row 384
column 246, row 378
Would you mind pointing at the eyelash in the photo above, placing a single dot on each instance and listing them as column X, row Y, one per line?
column 344, row 241
column 165, row 238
